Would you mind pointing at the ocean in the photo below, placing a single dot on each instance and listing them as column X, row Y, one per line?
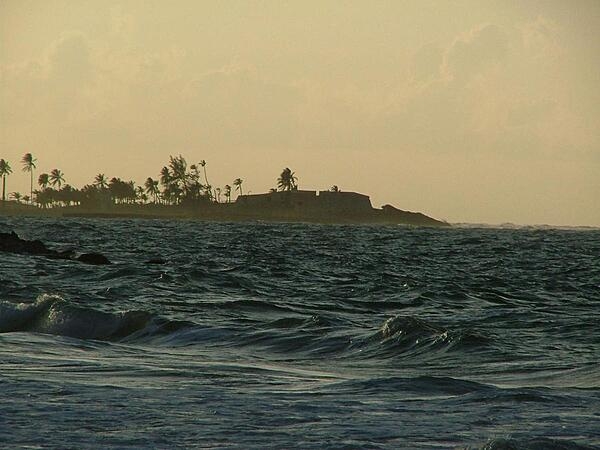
column 260, row 335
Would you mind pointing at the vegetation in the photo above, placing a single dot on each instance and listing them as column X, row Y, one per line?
column 56, row 178
column 177, row 184
column 5, row 170
column 287, row 180
column 238, row 185
column 28, row 165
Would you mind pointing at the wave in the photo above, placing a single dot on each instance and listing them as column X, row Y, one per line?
column 534, row 444
column 408, row 335
column 324, row 335
column 286, row 333
column 51, row 314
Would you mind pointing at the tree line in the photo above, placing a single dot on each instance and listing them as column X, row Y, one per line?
column 177, row 184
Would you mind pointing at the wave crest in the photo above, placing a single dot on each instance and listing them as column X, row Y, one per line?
column 51, row 314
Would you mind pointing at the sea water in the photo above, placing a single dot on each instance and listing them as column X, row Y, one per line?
column 257, row 335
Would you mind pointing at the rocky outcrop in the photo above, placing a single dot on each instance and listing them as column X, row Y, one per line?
column 93, row 258
column 394, row 215
column 12, row 243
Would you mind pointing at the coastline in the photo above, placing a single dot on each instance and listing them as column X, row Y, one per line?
column 300, row 206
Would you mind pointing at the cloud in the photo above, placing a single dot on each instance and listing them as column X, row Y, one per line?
column 426, row 63
column 477, row 93
column 474, row 51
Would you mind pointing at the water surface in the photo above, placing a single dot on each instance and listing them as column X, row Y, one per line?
column 300, row 336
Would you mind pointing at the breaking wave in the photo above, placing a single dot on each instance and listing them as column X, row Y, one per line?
column 51, row 314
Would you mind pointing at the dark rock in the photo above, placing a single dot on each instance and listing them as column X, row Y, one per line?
column 12, row 243
column 93, row 258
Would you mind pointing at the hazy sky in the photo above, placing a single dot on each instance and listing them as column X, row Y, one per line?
column 470, row 111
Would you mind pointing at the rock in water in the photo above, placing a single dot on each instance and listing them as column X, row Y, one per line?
column 12, row 243
column 93, row 258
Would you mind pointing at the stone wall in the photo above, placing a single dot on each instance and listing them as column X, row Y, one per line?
column 309, row 202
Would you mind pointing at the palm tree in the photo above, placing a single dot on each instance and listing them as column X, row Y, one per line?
column 208, row 187
column 238, row 185
column 44, row 180
column 56, row 178
column 100, row 181
column 203, row 164
column 5, row 170
column 218, row 191
column 152, row 188
column 16, row 196
column 228, row 193
column 139, row 193
column 28, row 166
column 287, row 180
column 178, row 166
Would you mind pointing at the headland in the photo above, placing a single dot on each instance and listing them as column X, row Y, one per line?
column 328, row 207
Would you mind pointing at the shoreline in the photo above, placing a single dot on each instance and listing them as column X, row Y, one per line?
column 226, row 212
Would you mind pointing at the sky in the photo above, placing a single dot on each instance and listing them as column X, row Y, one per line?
column 469, row 111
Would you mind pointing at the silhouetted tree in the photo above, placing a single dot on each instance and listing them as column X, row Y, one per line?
column 172, row 193
column 16, row 196
column 42, row 198
column 68, row 195
column 227, row 193
column 28, row 165
column 203, row 164
column 100, row 181
column 287, row 180
column 140, row 195
column 121, row 191
column 56, row 178
column 44, row 180
column 238, row 185
column 152, row 188
column 178, row 168
column 334, row 188
column 5, row 171
column 193, row 187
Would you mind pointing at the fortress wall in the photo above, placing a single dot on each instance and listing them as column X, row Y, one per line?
column 307, row 203
column 348, row 201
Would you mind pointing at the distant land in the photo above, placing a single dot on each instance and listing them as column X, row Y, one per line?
column 187, row 194
column 281, row 206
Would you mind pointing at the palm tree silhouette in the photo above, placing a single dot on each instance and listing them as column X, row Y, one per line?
column 208, row 187
column 44, row 180
column 16, row 196
column 56, row 178
column 5, row 170
column 227, row 193
column 100, row 181
column 203, row 164
column 178, row 166
column 152, row 188
column 28, row 166
column 287, row 180
column 238, row 185
column 140, row 195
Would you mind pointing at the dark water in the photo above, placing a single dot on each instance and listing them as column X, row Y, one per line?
column 301, row 336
